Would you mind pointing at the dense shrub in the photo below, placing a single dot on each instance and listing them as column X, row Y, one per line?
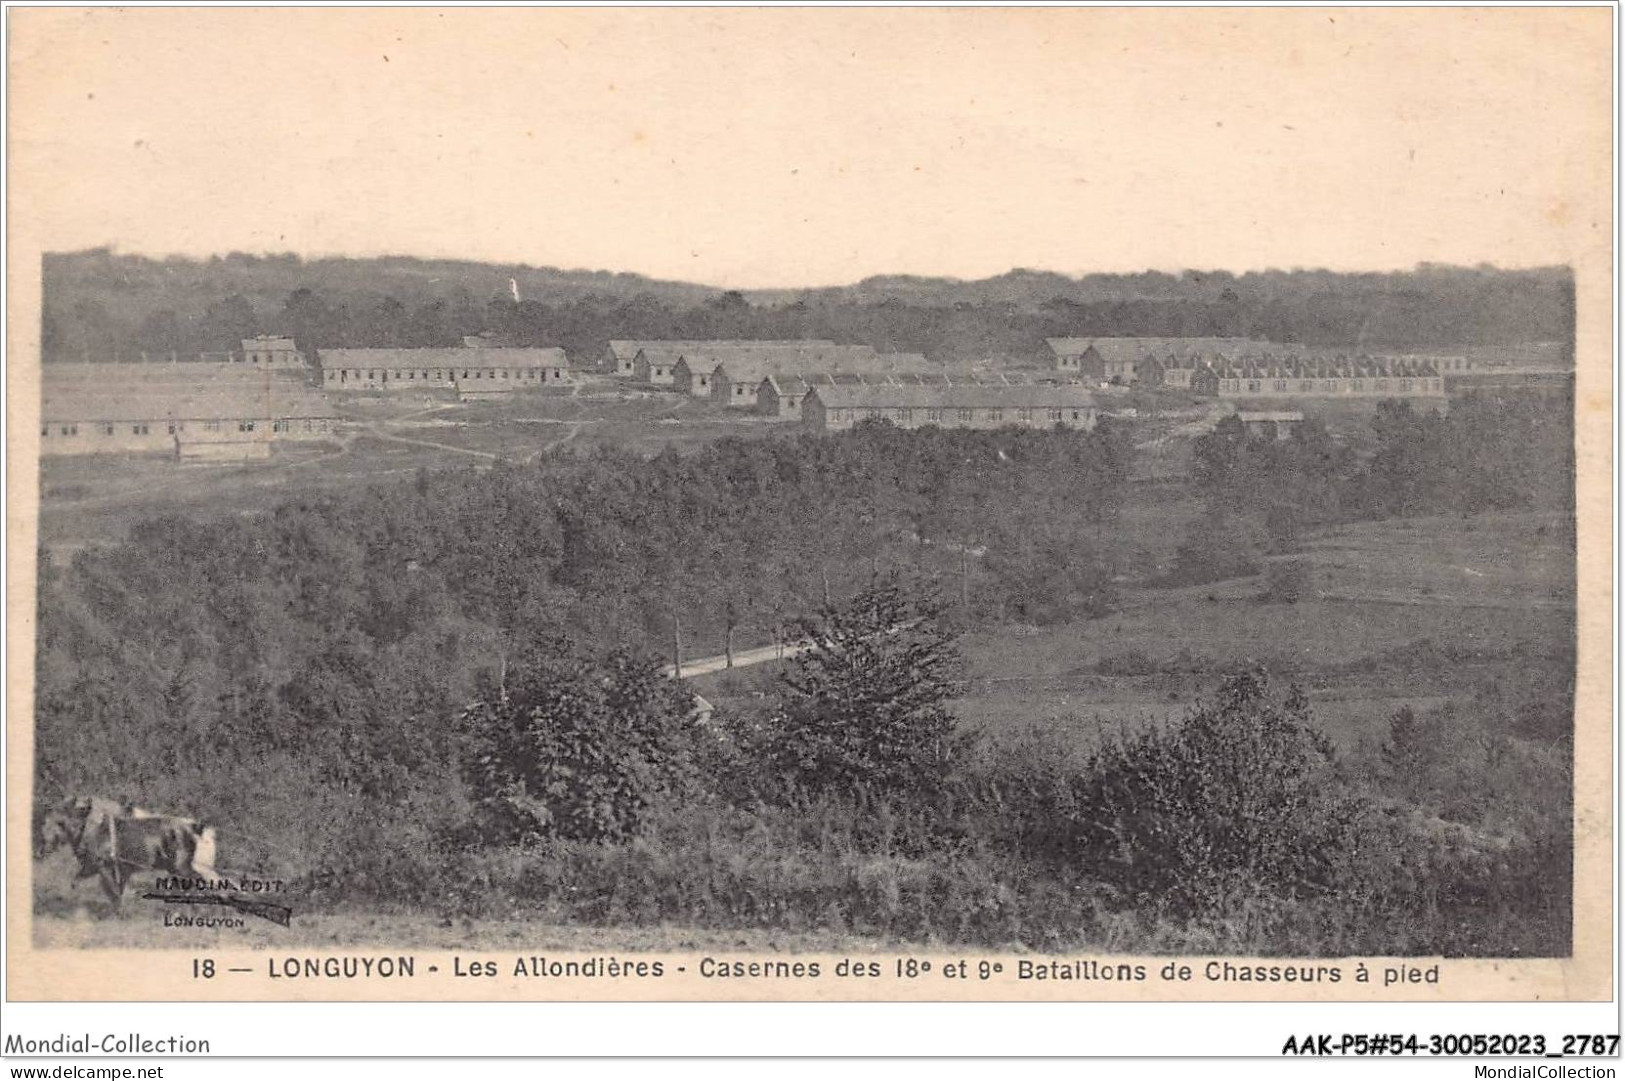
column 1240, row 796
column 1466, row 764
column 579, row 749
column 994, row 859
column 1046, row 581
column 1217, row 546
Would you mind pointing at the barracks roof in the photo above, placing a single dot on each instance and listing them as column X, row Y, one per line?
column 1121, row 349
column 483, row 357
column 910, row 362
column 1320, row 367
column 627, row 348
column 218, row 391
column 795, row 384
column 845, row 359
column 955, row 396
column 663, row 353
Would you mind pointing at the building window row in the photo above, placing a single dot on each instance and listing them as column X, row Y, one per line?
column 173, row 427
column 1337, row 384
column 935, row 415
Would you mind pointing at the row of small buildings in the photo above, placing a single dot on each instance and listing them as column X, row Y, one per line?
column 729, row 372
column 1122, row 360
column 239, row 404
column 1243, row 367
column 833, row 386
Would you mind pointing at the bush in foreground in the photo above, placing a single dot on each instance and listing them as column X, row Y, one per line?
column 1242, row 796
column 579, row 749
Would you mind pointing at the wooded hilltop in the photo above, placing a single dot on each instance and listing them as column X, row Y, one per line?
column 100, row 305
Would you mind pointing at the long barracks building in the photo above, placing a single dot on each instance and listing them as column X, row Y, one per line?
column 1176, row 362
column 191, row 410
column 967, row 405
column 485, row 369
column 782, row 395
column 1317, row 377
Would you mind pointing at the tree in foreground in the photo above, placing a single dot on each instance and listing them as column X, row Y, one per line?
column 578, row 748
column 866, row 705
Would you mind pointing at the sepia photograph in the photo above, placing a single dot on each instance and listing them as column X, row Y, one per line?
column 702, row 504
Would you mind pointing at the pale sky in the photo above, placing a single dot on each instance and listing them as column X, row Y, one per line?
column 784, row 147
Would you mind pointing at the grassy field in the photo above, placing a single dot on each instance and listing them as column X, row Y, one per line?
column 1385, row 599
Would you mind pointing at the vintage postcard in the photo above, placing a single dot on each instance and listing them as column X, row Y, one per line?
column 788, row 504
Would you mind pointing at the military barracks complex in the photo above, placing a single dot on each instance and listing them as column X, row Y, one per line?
column 231, row 406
